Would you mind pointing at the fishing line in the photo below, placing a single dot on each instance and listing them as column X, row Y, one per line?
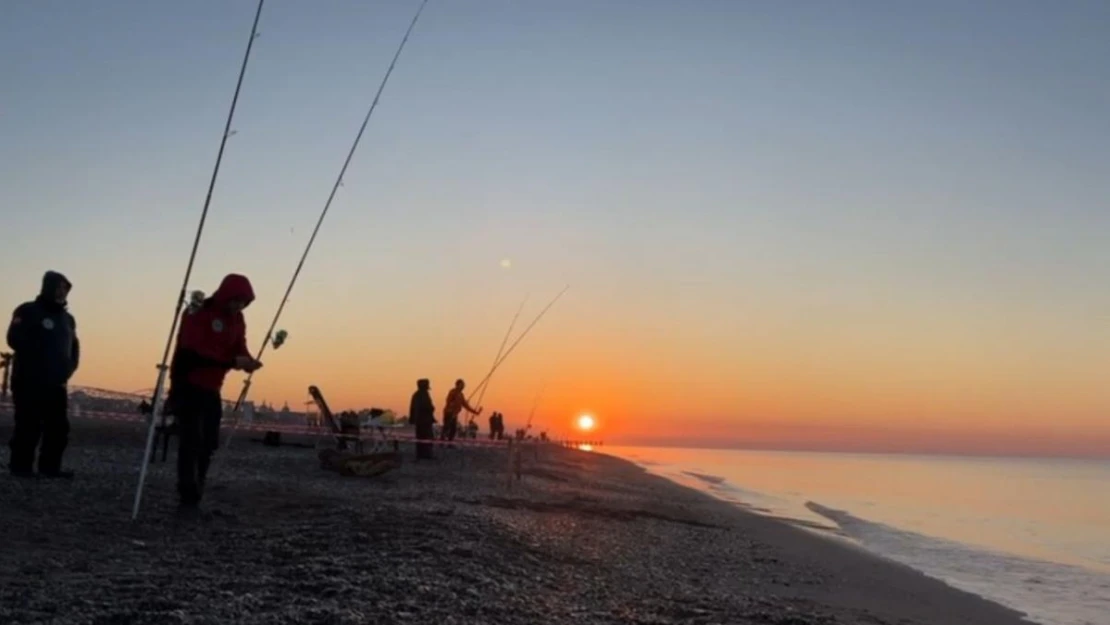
column 323, row 214
column 520, row 338
column 156, row 400
column 536, row 404
column 500, row 350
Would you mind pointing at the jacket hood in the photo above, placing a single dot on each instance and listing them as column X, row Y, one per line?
column 50, row 282
column 234, row 286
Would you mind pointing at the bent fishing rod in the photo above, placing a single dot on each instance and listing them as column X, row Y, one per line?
column 535, row 404
column 324, row 213
column 500, row 350
column 520, row 338
column 156, row 400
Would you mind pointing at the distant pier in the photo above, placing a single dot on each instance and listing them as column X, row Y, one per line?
column 585, row 445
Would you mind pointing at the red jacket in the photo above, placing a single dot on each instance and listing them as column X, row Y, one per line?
column 212, row 336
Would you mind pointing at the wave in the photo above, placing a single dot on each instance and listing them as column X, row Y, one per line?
column 1050, row 593
column 708, row 479
column 721, row 488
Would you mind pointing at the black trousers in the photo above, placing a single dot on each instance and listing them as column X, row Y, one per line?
column 424, row 432
column 198, row 414
column 41, row 414
column 450, row 427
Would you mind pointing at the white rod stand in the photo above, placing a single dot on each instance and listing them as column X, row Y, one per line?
column 156, row 409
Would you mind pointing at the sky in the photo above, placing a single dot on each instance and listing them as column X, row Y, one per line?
column 851, row 225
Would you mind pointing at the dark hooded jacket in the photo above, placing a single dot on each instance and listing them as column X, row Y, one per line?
column 43, row 336
column 421, row 409
column 211, row 337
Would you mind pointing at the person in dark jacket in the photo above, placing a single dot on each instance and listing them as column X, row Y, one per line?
column 212, row 340
column 43, row 335
column 422, row 414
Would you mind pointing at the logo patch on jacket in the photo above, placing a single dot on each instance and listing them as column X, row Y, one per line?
column 48, row 324
column 217, row 325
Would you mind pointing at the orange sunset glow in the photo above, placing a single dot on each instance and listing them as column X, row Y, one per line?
column 863, row 385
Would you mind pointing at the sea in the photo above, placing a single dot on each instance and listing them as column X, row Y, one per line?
column 1031, row 534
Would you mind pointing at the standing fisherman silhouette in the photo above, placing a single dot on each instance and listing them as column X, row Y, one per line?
column 499, row 432
column 422, row 414
column 43, row 335
column 212, row 340
column 456, row 402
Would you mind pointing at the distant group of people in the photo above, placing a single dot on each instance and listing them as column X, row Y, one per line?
column 496, row 426
column 422, row 415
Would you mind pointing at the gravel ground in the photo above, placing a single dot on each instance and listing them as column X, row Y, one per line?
column 581, row 538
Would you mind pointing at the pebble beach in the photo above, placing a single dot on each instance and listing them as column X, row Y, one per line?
column 580, row 537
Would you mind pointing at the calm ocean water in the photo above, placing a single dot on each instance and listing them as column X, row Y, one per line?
column 1030, row 534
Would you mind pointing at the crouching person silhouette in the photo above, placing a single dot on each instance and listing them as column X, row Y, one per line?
column 212, row 340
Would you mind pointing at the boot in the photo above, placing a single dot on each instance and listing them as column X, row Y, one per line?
column 22, row 473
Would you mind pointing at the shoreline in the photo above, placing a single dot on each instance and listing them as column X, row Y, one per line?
column 581, row 538
column 826, row 529
column 828, row 545
column 1051, row 569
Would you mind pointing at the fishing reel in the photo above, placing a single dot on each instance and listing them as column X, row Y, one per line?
column 279, row 338
column 196, row 300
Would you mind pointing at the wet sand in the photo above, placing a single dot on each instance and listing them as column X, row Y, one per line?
column 581, row 538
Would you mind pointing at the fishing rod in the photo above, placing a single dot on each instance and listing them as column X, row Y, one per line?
column 536, row 404
column 520, row 338
column 156, row 400
column 500, row 350
column 319, row 222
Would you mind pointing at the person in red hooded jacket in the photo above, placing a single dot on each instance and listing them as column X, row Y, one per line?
column 212, row 340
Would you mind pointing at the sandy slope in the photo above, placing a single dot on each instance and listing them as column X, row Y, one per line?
column 583, row 538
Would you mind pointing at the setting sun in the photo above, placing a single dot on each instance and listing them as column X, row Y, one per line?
column 586, row 423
